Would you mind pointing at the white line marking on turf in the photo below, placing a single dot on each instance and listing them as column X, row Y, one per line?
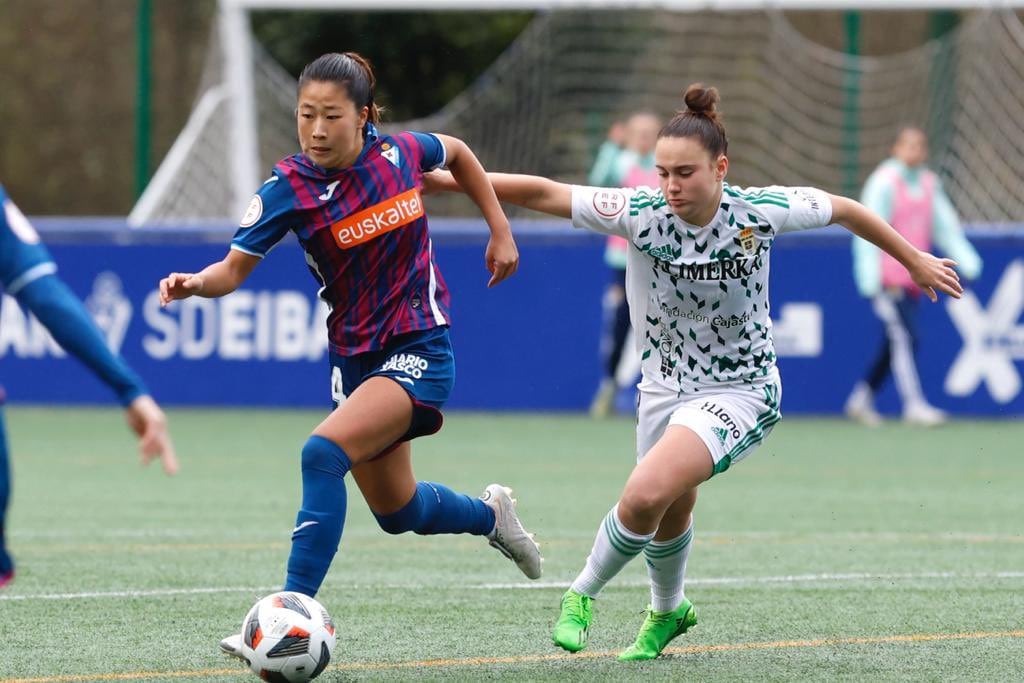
column 754, row 580
column 158, row 592
column 533, row 585
column 26, row 534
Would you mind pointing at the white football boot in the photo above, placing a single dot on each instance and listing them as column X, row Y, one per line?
column 232, row 645
column 924, row 415
column 508, row 536
column 860, row 406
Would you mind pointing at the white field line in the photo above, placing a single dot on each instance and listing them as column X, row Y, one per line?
column 534, row 585
column 156, row 592
column 192, row 534
column 784, row 579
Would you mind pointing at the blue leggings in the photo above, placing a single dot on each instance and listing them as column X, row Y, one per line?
column 434, row 509
column 5, row 492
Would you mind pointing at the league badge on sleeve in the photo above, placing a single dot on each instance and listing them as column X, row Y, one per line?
column 609, row 203
column 390, row 152
column 253, row 212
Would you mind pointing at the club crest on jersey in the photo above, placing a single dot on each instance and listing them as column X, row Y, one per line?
column 390, row 152
column 747, row 240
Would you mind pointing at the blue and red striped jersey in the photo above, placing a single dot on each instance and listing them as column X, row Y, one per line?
column 364, row 232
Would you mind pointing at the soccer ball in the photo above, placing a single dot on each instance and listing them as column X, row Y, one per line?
column 288, row 638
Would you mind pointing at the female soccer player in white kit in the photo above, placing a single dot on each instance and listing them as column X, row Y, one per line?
column 697, row 283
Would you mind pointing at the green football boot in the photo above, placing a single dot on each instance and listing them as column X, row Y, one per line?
column 573, row 625
column 658, row 630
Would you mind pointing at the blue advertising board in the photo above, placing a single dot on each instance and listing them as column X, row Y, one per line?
column 530, row 343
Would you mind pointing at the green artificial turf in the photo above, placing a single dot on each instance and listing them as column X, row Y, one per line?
column 833, row 553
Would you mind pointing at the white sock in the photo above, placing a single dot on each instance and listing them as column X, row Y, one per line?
column 614, row 547
column 666, row 565
column 861, row 397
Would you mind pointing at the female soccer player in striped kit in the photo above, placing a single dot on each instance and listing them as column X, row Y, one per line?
column 697, row 282
column 352, row 198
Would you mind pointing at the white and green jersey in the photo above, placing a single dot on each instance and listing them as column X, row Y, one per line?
column 698, row 296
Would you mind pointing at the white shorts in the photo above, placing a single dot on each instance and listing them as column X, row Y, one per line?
column 732, row 421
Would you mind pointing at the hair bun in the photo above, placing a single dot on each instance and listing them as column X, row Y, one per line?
column 700, row 120
column 700, row 100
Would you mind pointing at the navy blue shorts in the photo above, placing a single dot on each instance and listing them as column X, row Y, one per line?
column 422, row 363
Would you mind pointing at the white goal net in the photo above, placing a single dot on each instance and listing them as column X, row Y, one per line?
column 797, row 113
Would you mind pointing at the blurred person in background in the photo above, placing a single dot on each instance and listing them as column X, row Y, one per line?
column 28, row 274
column 352, row 197
column 605, row 169
column 711, row 392
column 907, row 194
column 625, row 159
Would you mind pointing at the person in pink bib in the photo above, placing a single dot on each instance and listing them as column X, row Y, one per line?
column 626, row 159
column 910, row 197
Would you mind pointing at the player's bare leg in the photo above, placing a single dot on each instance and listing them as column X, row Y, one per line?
column 387, row 482
column 376, row 415
column 677, row 518
column 675, row 465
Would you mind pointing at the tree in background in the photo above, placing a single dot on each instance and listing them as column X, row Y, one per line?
column 68, row 85
column 422, row 59
column 69, row 81
column 69, row 77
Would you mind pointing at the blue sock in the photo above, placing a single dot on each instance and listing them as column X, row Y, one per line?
column 6, row 564
column 321, row 519
column 436, row 509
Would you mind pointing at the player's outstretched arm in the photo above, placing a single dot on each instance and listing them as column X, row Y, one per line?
column 530, row 191
column 216, row 279
column 147, row 420
column 502, row 255
column 61, row 312
column 929, row 272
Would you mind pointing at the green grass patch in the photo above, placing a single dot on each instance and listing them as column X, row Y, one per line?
column 813, row 559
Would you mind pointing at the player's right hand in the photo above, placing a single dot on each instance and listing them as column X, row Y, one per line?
column 150, row 425
column 179, row 286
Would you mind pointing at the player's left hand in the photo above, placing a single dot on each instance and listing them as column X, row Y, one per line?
column 932, row 273
column 502, row 258
column 150, row 424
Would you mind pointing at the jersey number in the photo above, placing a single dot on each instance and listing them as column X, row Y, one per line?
column 337, row 389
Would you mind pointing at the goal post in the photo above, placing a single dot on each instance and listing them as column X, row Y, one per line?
column 238, row 56
column 243, row 117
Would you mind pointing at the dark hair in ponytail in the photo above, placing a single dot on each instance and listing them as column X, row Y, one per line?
column 351, row 71
column 699, row 120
